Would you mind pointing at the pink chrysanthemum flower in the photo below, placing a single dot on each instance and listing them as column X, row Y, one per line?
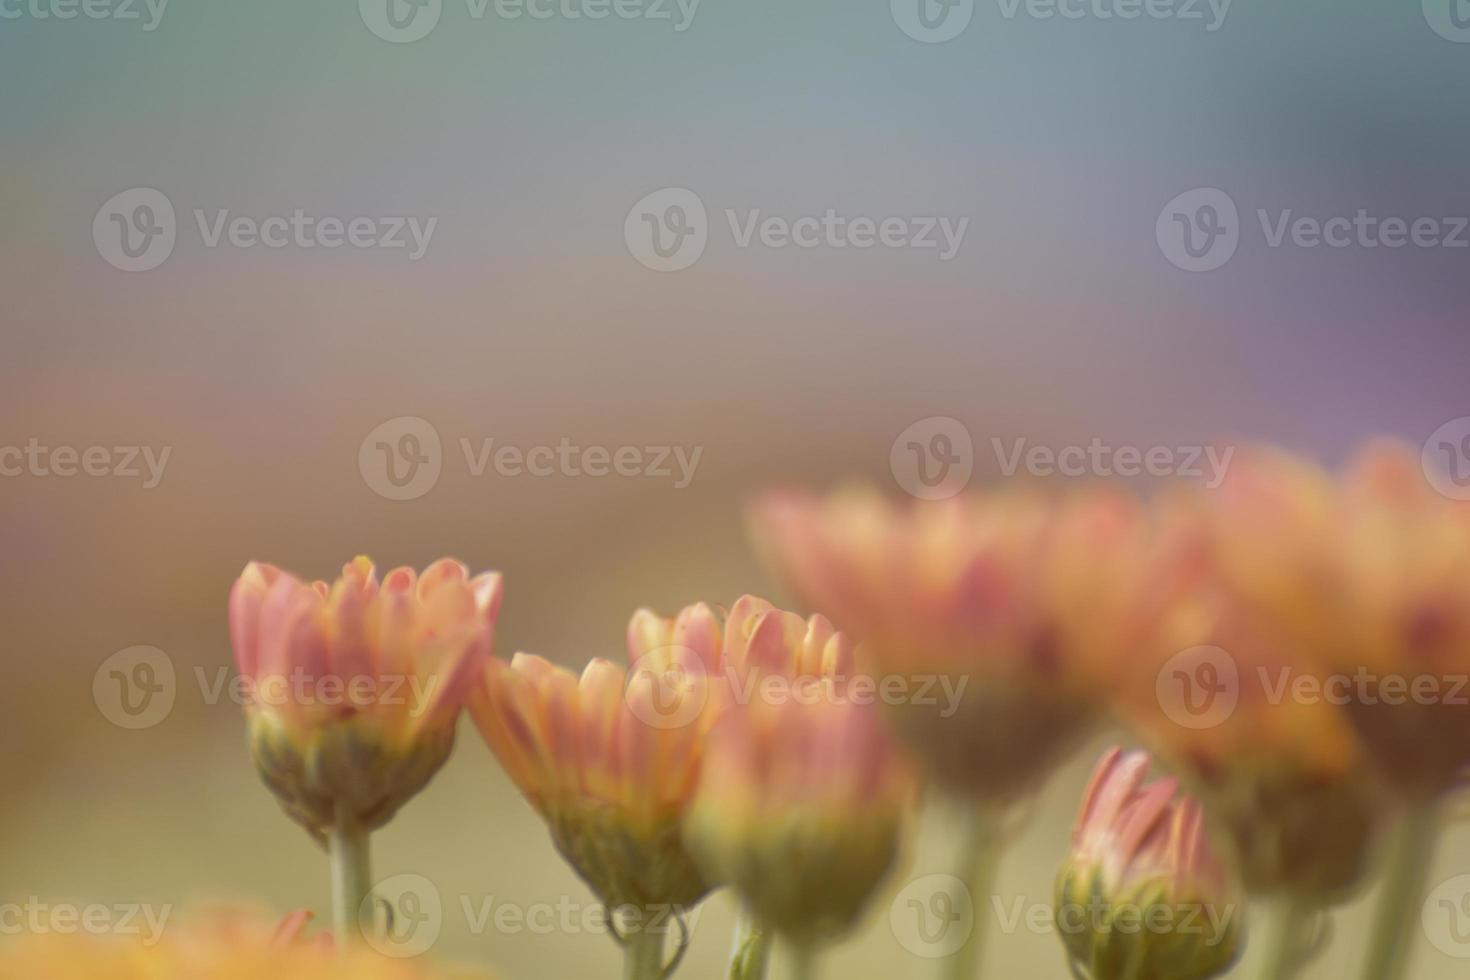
column 354, row 687
column 1143, row 895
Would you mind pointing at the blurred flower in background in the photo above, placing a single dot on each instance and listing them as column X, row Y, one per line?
column 1022, row 601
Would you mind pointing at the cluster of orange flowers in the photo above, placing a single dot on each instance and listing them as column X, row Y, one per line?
column 740, row 747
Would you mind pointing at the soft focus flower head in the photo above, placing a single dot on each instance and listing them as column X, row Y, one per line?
column 1258, row 622
column 1143, row 895
column 610, row 761
column 354, row 687
column 1027, row 601
column 1402, row 563
column 801, row 807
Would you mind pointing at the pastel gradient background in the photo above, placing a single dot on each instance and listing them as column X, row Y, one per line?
column 528, row 321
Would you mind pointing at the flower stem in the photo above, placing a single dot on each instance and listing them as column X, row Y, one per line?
column 1287, row 943
column 751, row 948
column 348, row 849
column 643, row 955
column 803, row 961
column 978, row 861
column 1401, row 893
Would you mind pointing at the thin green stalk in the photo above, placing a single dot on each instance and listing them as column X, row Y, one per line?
column 643, row 955
column 1288, row 940
column 803, row 961
column 978, row 862
column 750, row 950
column 348, row 850
column 1396, row 915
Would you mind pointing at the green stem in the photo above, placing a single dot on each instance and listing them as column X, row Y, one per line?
column 1400, row 895
column 1286, row 944
column 978, row 862
column 750, row 950
column 643, row 955
column 348, row 850
column 803, row 961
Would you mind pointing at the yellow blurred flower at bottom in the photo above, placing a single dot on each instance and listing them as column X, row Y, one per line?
column 222, row 945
